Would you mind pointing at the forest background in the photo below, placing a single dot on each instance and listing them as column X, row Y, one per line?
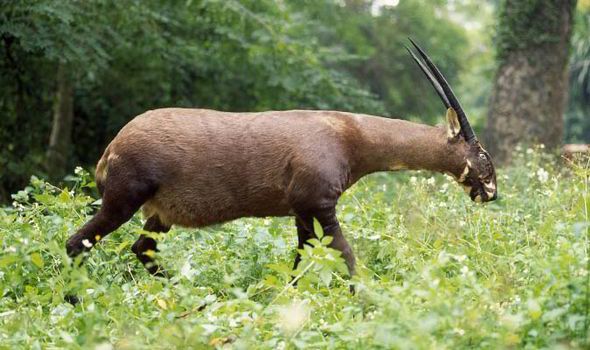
column 72, row 73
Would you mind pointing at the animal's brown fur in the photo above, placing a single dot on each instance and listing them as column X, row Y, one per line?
column 212, row 167
column 197, row 167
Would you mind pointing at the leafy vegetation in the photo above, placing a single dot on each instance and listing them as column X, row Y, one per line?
column 577, row 121
column 519, row 27
column 435, row 271
column 125, row 57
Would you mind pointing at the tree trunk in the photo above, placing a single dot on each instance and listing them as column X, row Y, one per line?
column 530, row 89
column 61, row 130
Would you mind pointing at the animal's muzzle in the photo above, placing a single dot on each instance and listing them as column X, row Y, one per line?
column 480, row 196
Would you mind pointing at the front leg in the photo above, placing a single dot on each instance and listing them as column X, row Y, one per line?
column 331, row 226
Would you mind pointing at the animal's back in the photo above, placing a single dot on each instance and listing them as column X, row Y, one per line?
column 212, row 166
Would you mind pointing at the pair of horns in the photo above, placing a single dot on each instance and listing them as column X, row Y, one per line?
column 444, row 91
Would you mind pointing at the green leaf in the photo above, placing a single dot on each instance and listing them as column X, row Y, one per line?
column 281, row 268
column 122, row 246
column 37, row 259
column 44, row 198
column 7, row 260
column 326, row 276
column 64, row 196
column 319, row 231
column 313, row 242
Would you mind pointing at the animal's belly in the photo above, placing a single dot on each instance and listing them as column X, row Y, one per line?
column 190, row 209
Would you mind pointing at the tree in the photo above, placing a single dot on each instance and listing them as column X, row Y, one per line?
column 56, row 158
column 72, row 73
column 371, row 47
column 577, row 121
column 530, row 87
column 57, row 39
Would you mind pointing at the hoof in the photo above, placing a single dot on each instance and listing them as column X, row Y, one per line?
column 74, row 248
column 72, row 299
column 158, row 271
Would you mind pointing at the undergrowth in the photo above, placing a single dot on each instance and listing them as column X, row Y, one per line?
column 435, row 271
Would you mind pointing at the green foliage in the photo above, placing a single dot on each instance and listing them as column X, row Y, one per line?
column 62, row 31
column 34, row 37
column 435, row 271
column 577, row 121
column 528, row 23
column 376, row 44
column 126, row 57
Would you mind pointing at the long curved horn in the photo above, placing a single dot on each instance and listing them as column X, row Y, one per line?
column 465, row 126
column 431, row 79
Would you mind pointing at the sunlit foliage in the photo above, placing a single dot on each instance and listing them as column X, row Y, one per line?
column 436, row 271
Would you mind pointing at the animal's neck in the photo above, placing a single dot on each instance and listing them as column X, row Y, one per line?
column 391, row 144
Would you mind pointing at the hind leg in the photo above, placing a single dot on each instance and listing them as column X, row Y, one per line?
column 305, row 232
column 145, row 246
column 121, row 199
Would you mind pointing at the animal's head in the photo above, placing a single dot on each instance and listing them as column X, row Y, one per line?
column 476, row 171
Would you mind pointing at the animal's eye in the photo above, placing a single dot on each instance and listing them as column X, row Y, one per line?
column 482, row 156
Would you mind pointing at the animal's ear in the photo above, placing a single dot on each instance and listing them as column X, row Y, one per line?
column 453, row 126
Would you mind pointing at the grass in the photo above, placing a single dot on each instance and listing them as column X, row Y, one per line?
column 435, row 271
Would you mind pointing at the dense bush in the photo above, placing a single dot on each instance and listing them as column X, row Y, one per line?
column 435, row 271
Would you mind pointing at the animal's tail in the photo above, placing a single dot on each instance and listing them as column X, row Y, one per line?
column 102, row 170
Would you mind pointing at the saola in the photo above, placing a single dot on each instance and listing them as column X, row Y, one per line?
column 197, row 167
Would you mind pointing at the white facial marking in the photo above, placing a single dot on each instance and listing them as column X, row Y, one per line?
column 490, row 186
column 490, row 194
column 87, row 243
column 465, row 173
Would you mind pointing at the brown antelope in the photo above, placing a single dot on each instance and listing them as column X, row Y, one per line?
column 197, row 167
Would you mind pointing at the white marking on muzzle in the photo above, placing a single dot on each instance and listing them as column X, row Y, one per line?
column 490, row 187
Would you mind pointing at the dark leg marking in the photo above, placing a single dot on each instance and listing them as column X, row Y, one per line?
column 305, row 232
column 144, row 244
column 327, row 218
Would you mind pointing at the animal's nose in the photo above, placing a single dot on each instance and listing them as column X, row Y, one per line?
column 495, row 196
